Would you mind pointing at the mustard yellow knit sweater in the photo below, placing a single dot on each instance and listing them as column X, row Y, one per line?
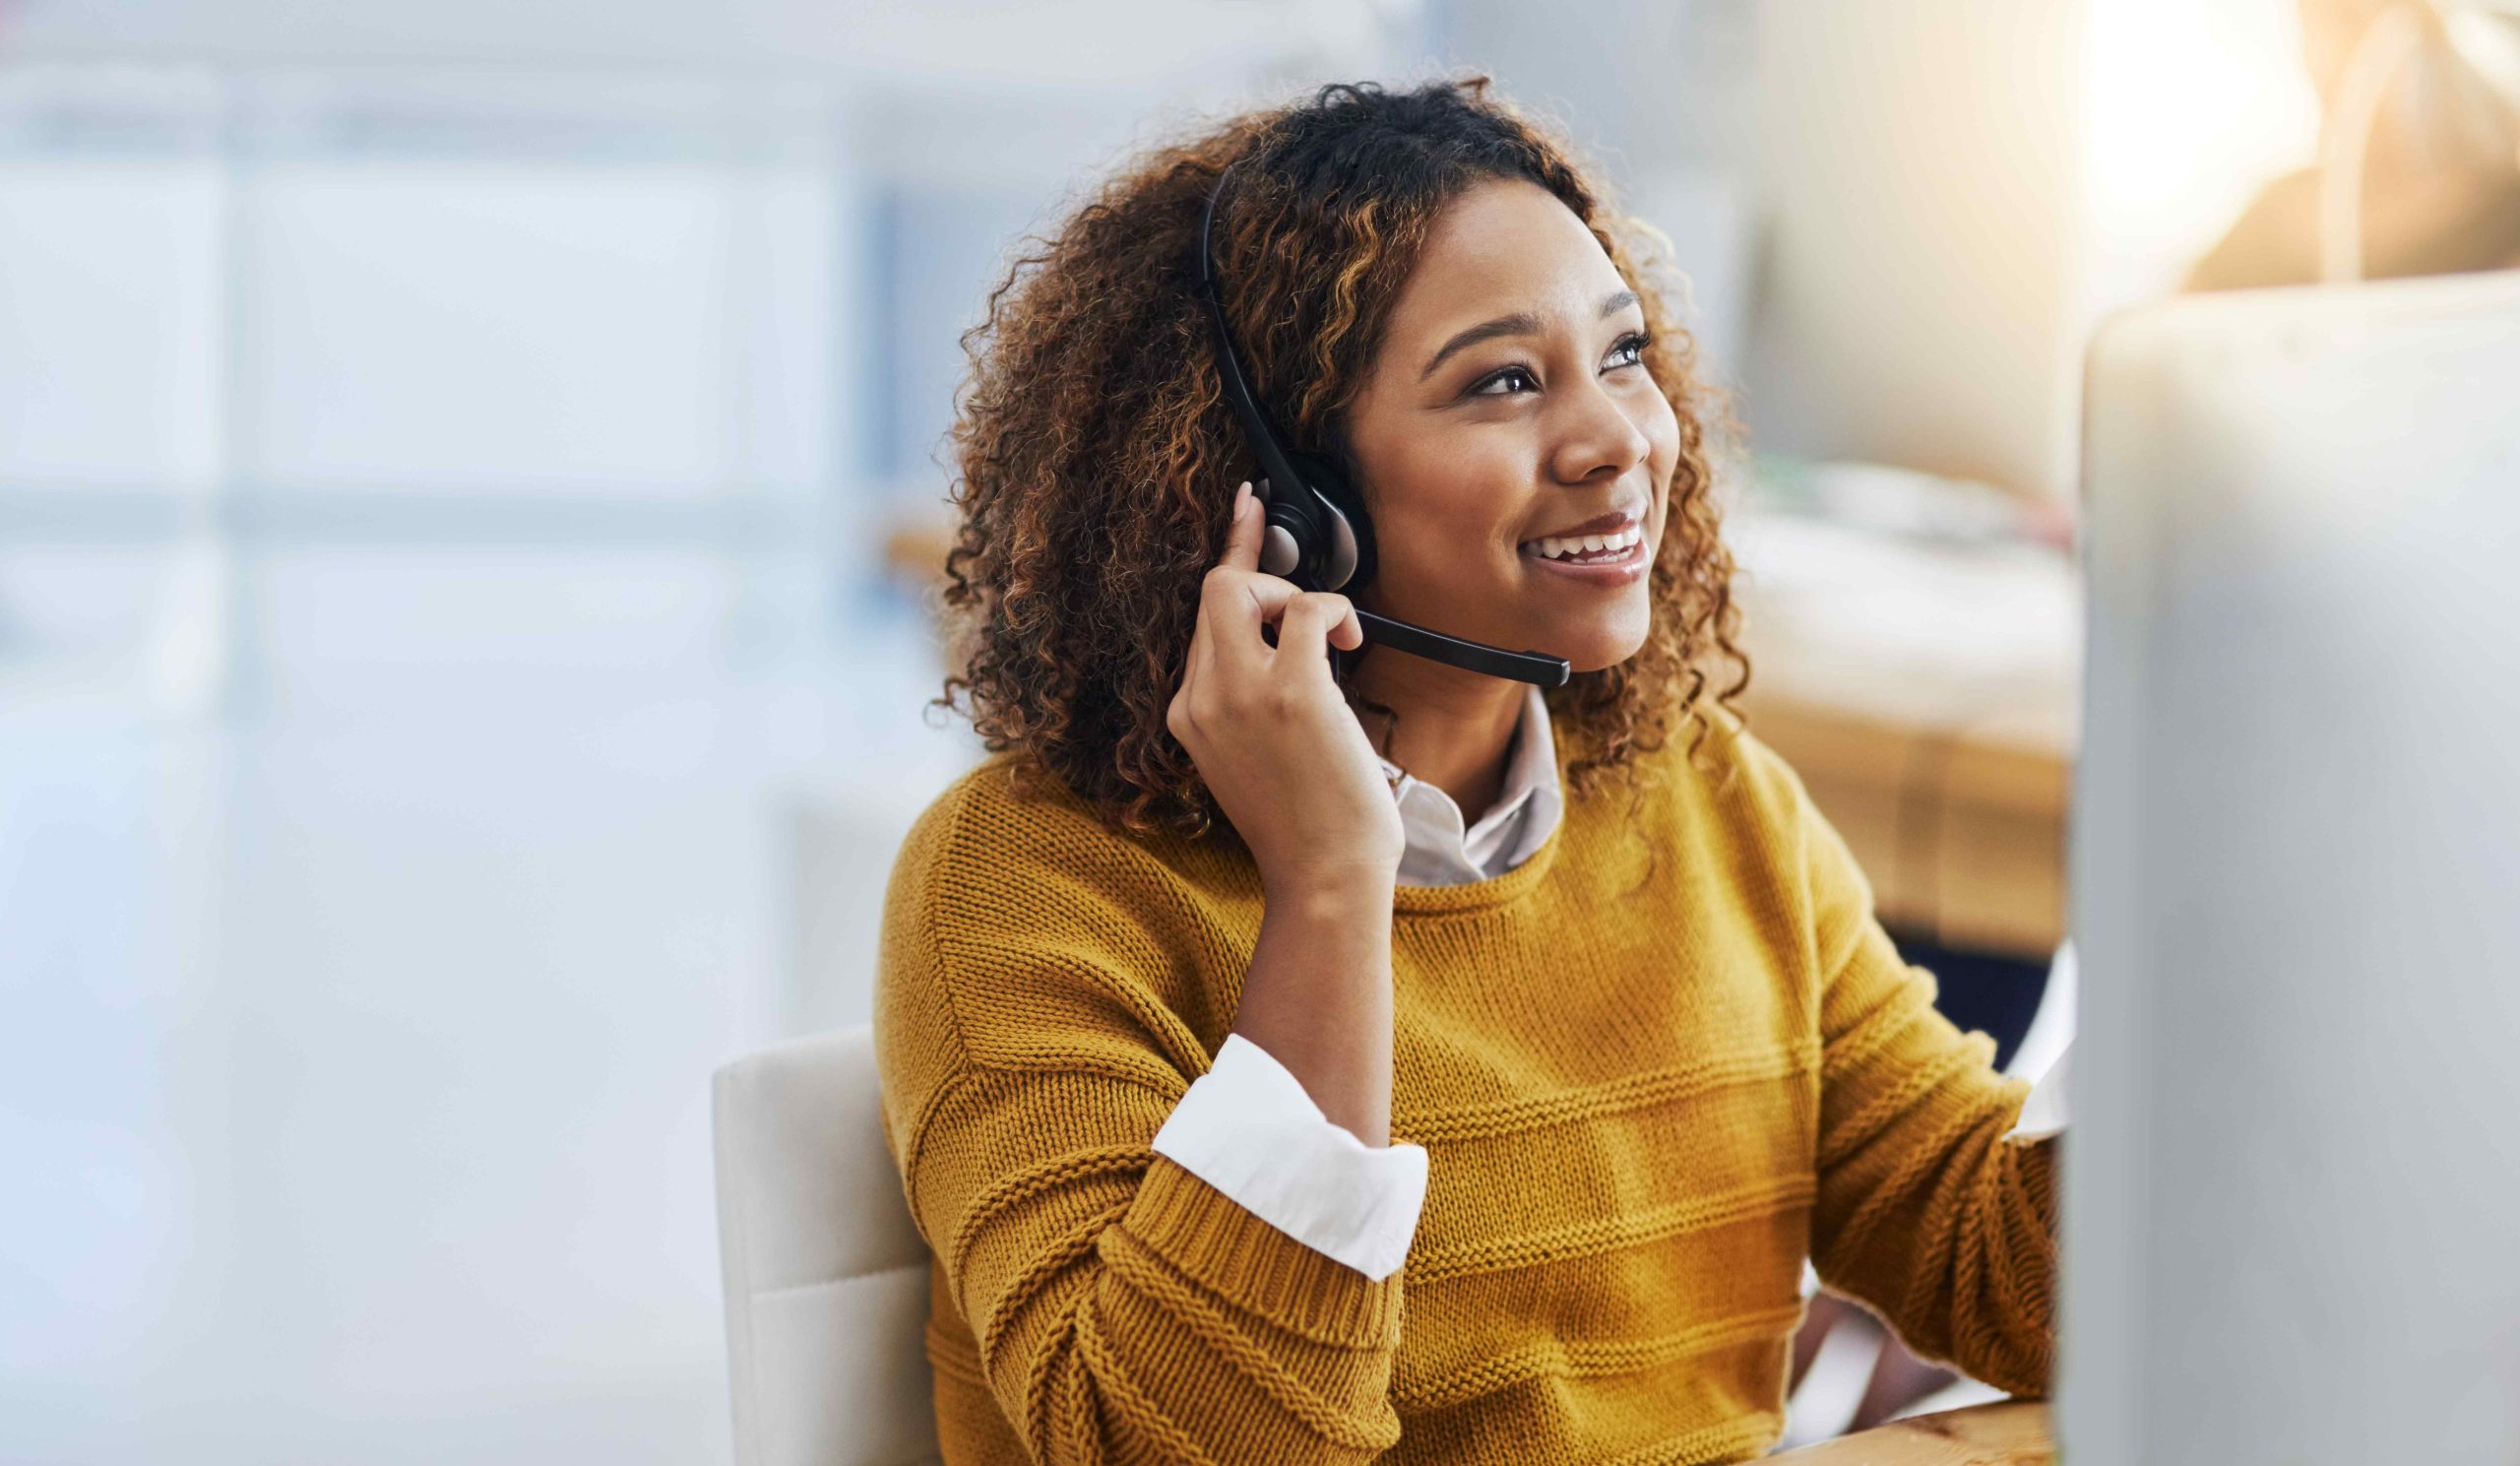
column 1654, row 1068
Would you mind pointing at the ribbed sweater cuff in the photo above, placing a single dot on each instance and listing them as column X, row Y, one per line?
column 2037, row 1166
column 1244, row 1260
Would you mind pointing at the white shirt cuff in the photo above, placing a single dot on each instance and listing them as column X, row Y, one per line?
column 1247, row 1128
column 2043, row 1113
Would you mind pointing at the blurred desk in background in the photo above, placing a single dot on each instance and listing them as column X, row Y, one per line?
column 1926, row 693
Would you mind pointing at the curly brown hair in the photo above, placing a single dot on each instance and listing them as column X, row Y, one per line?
column 1096, row 457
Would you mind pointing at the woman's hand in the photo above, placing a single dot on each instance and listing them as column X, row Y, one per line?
column 1270, row 734
column 1290, row 765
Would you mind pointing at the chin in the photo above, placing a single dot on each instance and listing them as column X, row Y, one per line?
column 1602, row 644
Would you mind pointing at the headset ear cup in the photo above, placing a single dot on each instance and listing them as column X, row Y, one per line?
column 1339, row 556
column 1349, row 560
column 1282, row 543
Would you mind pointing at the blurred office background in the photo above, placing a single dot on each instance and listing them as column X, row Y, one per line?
column 459, row 666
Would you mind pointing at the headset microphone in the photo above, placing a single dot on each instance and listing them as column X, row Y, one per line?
column 1315, row 529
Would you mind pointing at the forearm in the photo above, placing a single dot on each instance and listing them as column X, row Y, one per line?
column 1318, row 998
column 1926, row 1210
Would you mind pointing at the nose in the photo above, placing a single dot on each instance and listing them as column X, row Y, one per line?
column 1596, row 437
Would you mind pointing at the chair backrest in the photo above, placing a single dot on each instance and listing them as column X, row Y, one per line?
column 826, row 1278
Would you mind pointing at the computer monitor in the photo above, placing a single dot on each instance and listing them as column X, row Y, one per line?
column 2291, row 1229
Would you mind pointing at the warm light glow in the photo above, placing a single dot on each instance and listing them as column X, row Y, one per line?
column 2192, row 107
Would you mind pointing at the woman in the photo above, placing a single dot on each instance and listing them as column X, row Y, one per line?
column 1257, row 1104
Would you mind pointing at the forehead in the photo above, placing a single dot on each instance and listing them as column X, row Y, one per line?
column 1503, row 245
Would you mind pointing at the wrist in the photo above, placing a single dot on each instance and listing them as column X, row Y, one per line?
column 1332, row 891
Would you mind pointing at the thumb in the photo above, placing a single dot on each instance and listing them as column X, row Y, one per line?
column 1243, row 533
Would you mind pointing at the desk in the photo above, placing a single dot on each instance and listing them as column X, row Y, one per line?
column 1927, row 695
column 2009, row 1432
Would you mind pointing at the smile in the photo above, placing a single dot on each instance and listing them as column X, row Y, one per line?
column 1613, row 548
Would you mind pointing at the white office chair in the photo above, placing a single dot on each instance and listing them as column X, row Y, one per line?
column 825, row 1278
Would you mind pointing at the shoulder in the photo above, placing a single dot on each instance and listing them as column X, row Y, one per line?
column 1015, row 914
column 1747, row 815
column 1784, row 841
column 1007, row 836
column 1723, row 772
column 1001, row 814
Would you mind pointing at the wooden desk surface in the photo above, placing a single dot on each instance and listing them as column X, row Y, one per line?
column 2009, row 1432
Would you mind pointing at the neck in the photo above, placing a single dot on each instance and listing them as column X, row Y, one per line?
column 1455, row 727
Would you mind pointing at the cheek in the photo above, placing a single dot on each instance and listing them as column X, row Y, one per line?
column 1451, row 493
column 1663, row 430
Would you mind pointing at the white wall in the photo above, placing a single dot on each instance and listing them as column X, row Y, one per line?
column 442, row 457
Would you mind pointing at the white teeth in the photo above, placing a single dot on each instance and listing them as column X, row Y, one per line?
column 1560, row 547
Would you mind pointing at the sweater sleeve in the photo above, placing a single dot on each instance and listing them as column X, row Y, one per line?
column 1926, row 1210
column 1124, row 1309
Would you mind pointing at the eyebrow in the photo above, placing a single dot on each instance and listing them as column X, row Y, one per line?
column 1520, row 323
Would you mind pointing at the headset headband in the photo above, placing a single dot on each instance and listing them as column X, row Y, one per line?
column 1283, row 484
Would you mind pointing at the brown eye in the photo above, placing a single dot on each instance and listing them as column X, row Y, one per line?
column 1505, row 374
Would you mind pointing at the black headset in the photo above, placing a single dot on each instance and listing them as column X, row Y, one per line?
column 1316, row 532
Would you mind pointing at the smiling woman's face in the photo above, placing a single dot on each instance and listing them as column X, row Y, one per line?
column 1507, row 423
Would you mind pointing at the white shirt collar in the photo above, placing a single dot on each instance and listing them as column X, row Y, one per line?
column 1439, row 849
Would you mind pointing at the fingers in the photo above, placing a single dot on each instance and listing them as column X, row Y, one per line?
column 1346, row 633
column 1238, row 600
column 1242, row 535
column 1308, row 623
column 1233, row 606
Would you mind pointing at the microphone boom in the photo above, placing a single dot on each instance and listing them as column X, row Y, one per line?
column 1470, row 656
